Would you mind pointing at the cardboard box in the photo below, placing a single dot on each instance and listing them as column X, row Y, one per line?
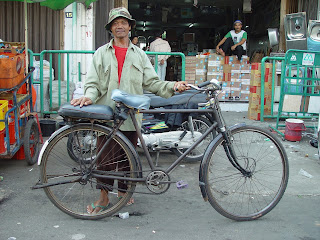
column 257, row 66
column 255, row 79
column 215, row 63
column 245, row 87
column 254, row 112
column 235, row 93
column 217, row 77
column 255, row 99
column 190, row 77
column 227, row 68
column 201, row 78
column 235, row 76
column 245, row 68
column 215, row 57
column 245, row 59
column 227, row 77
column 202, row 59
column 190, row 81
column 215, row 68
column 235, row 86
column 225, row 84
column 244, row 96
column 245, row 81
column 191, row 59
column 245, row 75
column 231, row 60
column 235, row 68
column 190, row 66
column 201, row 71
column 224, row 95
column 190, row 71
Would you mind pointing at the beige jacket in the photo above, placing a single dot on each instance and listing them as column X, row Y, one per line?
column 137, row 74
column 160, row 45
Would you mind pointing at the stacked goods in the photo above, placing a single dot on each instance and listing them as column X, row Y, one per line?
column 215, row 67
column 255, row 91
column 225, row 94
column 190, row 70
column 201, row 68
column 238, row 74
column 245, row 75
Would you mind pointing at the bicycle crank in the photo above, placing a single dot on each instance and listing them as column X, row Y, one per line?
column 158, row 181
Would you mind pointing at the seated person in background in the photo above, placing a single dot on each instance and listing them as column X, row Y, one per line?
column 234, row 43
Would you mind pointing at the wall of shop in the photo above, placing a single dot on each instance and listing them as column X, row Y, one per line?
column 78, row 35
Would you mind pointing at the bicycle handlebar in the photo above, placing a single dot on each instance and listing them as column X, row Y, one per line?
column 204, row 84
column 214, row 82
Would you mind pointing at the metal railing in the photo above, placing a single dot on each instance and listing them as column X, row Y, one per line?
column 68, row 53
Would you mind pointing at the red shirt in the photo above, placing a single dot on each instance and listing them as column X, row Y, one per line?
column 120, row 55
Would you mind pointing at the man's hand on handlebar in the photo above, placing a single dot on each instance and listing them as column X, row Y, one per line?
column 83, row 101
column 181, row 86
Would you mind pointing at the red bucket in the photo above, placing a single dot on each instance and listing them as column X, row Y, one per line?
column 294, row 127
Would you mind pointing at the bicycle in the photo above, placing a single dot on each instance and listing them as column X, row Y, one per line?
column 243, row 174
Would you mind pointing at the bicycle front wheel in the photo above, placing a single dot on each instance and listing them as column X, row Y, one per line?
column 247, row 197
column 66, row 166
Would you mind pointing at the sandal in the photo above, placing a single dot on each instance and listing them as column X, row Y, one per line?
column 103, row 208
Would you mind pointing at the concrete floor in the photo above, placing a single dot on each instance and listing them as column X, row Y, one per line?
column 178, row 214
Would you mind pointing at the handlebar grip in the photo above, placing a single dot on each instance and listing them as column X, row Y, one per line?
column 204, row 84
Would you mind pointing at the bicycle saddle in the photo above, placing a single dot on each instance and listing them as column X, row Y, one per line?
column 95, row 111
column 130, row 100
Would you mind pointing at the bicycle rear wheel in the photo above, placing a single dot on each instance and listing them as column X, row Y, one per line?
column 241, row 197
column 59, row 165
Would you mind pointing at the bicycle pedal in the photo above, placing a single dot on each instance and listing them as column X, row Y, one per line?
column 181, row 184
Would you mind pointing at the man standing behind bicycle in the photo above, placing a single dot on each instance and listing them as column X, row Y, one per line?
column 120, row 65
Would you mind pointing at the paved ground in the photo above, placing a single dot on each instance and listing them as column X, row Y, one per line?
column 178, row 214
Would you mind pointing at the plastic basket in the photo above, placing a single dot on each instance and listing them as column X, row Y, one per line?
column 3, row 110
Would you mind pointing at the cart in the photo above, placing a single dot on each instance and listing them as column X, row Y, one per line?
column 21, row 123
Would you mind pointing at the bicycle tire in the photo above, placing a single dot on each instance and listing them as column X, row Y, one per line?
column 200, row 124
column 236, row 196
column 73, row 198
column 31, row 143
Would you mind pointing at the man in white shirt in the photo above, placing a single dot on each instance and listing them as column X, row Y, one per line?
column 234, row 42
column 160, row 45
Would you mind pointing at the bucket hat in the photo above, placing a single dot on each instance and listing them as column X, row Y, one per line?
column 119, row 12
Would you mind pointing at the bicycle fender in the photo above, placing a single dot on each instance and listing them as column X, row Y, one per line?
column 49, row 140
column 204, row 161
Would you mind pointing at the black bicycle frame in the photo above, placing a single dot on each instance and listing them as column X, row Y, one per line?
column 216, row 125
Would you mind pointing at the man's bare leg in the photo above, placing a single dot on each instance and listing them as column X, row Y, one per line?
column 221, row 52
